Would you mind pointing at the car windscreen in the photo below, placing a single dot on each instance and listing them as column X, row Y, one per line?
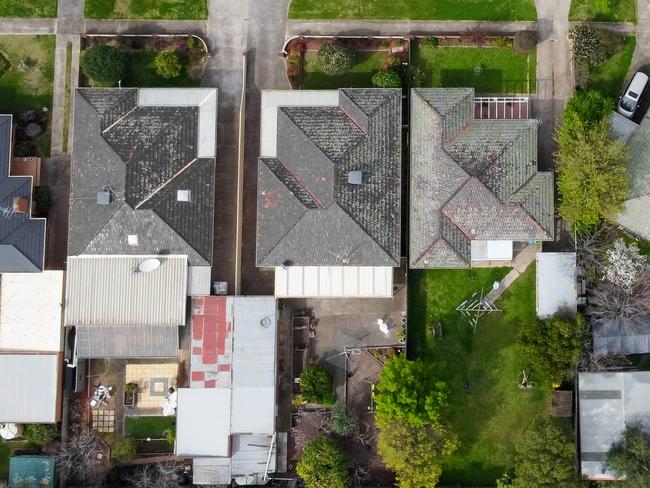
column 628, row 104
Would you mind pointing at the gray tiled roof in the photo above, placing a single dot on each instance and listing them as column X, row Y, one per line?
column 471, row 179
column 22, row 239
column 307, row 212
column 143, row 155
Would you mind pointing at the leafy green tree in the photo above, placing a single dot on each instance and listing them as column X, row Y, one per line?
column 630, row 457
column 168, row 64
column 408, row 391
column 592, row 175
column 544, row 458
column 585, row 110
column 335, row 59
column 387, row 79
column 553, row 346
column 103, row 64
column 123, row 449
column 344, row 419
column 323, row 465
column 415, row 453
column 316, row 385
column 39, row 435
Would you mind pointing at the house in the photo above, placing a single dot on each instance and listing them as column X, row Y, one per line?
column 474, row 184
column 608, row 402
column 329, row 191
column 226, row 418
column 22, row 238
column 31, row 345
column 141, row 217
column 634, row 216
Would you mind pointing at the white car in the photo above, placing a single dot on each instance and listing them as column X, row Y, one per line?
column 629, row 102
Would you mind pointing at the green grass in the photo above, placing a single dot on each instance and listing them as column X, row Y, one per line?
column 142, row 73
column 368, row 63
column 603, row 10
column 489, row 415
column 414, row 9
column 143, row 427
column 66, row 97
column 609, row 77
column 502, row 69
column 32, row 88
column 146, row 9
column 28, row 8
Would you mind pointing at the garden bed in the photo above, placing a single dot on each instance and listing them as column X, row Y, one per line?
column 146, row 9
column 603, row 10
column 610, row 76
column 414, row 9
column 492, row 411
column 142, row 51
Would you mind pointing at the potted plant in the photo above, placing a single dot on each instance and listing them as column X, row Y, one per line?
column 130, row 390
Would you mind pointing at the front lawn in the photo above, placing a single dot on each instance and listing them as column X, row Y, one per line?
column 490, row 414
column 414, row 9
column 609, row 77
column 148, row 427
column 367, row 64
column 487, row 69
column 27, row 82
column 146, row 9
column 141, row 73
column 603, row 10
column 28, row 8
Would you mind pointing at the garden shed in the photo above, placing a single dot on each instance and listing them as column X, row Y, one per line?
column 556, row 284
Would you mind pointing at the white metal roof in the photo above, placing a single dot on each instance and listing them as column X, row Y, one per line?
column 30, row 385
column 556, row 283
column 203, row 98
column 199, row 280
column 334, row 281
column 109, row 290
column 607, row 401
column 203, row 422
column 272, row 99
column 491, row 250
column 31, row 314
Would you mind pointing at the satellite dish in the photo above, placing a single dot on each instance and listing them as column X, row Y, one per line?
column 148, row 265
column 10, row 431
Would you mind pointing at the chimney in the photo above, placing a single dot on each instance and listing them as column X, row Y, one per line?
column 20, row 205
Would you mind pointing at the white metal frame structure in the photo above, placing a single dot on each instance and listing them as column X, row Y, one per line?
column 515, row 107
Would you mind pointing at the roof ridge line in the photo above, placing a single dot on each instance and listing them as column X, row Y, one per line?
column 426, row 250
column 104, row 225
column 119, row 120
column 166, row 183
column 314, row 198
column 261, row 159
column 281, row 238
column 303, row 133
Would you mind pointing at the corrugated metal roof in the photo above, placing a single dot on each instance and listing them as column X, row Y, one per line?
column 556, row 283
column 334, row 281
column 108, row 290
column 30, row 387
column 199, row 280
column 126, row 341
column 203, row 422
column 31, row 313
column 607, row 402
column 211, row 470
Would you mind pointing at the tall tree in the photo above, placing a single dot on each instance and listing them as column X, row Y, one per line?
column 630, row 457
column 323, row 465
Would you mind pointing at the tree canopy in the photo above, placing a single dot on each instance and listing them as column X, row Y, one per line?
column 585, row 110
column 592, row 174
column 103, row 64
column 316, row 385
column 630, row 457
column 415, row 454
column 408, row 391
column 168, row 64
column 323, row 465
column 553, row 346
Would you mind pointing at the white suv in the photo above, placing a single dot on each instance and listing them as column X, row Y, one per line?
column 629, row 102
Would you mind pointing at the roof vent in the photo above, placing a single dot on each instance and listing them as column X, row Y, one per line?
column 20, row 205
column 132, row 239
column 355, row 177
column 183, row 195
column 103, row 197
column 265, row 323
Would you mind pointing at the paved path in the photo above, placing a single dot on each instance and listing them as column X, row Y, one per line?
column 519, row 265
column 27, row 26
column 145, row 26
column 398, row 27
column 641, row 57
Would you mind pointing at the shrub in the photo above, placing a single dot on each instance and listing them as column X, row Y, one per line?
column 390, row 62
column 170, row 436
column 587, row 46
column 316, row 385
column 43, row 199
column 501, row 41
column 40, row 434
column 103, row 64
column 293, row 60
column 191, row 42
column 168, row 64
column 524, row 41
column 416, row 76
column 585, row 109
column 429, row 42
column 344, row 419
column 335, row 59
column 323, row 465
column 387, row 79
column 123, row 449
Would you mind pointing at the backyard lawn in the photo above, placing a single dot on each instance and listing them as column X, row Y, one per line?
column 146, row 9
column 609, row 77
column 27, row 81
column 144, row 427
column 28, row 8
column 603, row 10
column 493, row 410
column 413, row 9
column 368, row 63
column 502, row 70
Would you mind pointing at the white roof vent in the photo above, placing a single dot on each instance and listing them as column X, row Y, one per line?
column 103, row 197
column 184, row 195
column 355, row 177
column 132, row 239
